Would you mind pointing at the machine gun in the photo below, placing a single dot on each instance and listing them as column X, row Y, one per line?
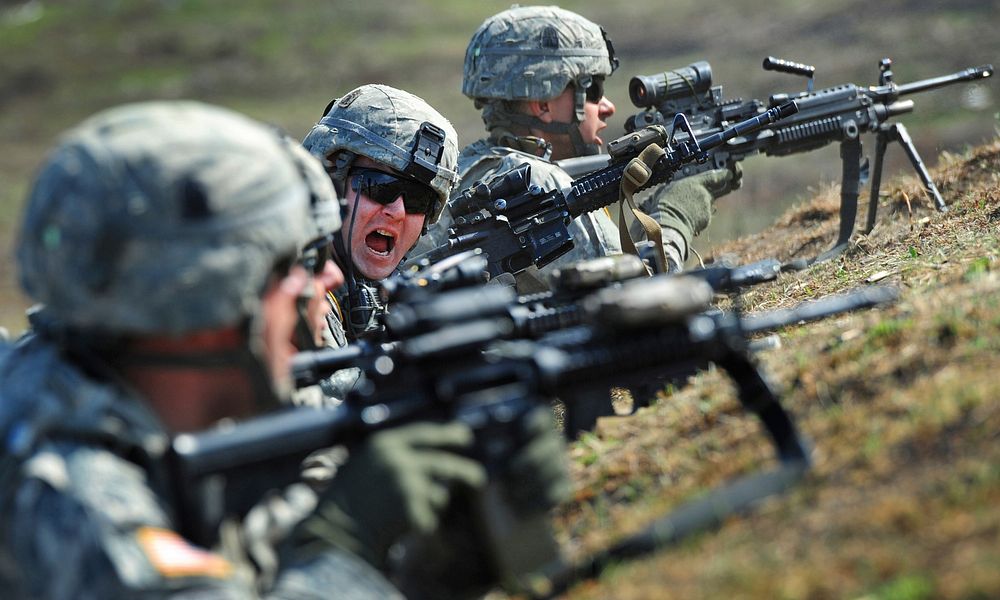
column 461, row 365
column 518, row 224
column 836, row 114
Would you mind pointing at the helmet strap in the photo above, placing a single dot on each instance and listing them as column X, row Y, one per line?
column 503, row 120
column 359, row 303
column 248, row 358
column 536, row 146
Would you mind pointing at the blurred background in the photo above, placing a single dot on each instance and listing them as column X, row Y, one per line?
column 281, row 62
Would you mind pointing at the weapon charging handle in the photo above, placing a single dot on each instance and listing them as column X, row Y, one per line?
column 786, row 66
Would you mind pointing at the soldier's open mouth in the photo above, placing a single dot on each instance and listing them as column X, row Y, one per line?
column 380, row 242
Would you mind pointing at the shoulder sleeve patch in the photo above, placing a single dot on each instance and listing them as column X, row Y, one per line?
column 173, row 556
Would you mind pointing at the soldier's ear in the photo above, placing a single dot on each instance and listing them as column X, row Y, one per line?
column 540, row 109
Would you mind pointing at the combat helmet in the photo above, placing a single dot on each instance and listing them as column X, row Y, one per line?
column 164, row 217
column 391, row 127
column 533, row 53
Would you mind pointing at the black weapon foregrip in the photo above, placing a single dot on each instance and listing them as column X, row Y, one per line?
column 749, row 126
column 595, row 191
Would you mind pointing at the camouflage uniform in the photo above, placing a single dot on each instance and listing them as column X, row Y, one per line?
column 155, row 218
column 534, row 53
column 385, row 125
column 594, row 234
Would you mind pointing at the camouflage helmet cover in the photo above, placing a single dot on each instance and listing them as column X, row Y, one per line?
column 161, row 217
column 395, row 128
column 322, row 196
column 533, row 53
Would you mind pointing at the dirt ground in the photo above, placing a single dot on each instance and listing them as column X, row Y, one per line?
column 900, row 404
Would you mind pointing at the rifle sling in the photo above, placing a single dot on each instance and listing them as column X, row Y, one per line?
column 637, row 173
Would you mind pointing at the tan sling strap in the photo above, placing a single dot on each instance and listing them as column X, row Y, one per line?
column 637, row 173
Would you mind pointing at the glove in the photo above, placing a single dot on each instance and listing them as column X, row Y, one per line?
column 453, row 562
column 399, row 481
column 535, row 478
column 689, row 190
column 720, row 181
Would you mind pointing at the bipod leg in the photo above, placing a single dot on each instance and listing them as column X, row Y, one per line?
column 911, row 152
column 850, row 187
column 881, row 143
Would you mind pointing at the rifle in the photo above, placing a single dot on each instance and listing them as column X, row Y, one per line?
column 449, row 365
column 531, row 316
column 535, row 316
column 835, row 114
column 517, row 224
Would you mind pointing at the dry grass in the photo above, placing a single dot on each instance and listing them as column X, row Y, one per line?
column 900, row 404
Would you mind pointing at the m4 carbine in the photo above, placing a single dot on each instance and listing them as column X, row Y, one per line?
column 460, row 364
column 835, row 114
column 517, row 224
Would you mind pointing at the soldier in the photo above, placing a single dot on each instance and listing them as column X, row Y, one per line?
column 392, row 158
column 538, row 75
column 163, row 240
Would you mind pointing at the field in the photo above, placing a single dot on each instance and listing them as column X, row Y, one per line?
column 899, row 403
column 282, row 62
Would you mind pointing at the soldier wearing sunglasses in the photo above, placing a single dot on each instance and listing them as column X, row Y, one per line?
column 392, row 159
column 537, row 73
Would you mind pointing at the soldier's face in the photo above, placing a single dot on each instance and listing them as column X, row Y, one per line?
column 280, row 317
column 382, row 233
column 327, row 280
column 595, row 119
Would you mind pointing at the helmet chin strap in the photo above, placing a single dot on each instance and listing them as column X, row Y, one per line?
column 580, row 147
column 506, row 118
column 103, row 355
column 360, row 305
column 248, row 358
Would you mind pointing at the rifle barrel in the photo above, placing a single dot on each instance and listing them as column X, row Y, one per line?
column 970, row 74
column 820, row 309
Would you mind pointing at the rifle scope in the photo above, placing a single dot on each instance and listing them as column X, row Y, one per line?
column 653, row 90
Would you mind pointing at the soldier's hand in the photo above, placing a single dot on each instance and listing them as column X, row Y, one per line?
column 537, row 479
column 718, row 182
column 399, row 481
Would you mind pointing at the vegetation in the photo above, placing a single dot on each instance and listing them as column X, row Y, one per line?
column 899, row 402
column 900, row 405
column 282, row 62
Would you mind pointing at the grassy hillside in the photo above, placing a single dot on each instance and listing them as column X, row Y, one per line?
column 62, row 60
column 900, row 403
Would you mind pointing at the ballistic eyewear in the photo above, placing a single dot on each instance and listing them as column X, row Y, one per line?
column 384, row 188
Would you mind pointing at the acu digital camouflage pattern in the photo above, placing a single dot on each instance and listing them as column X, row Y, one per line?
column 533, row 53
column 594, row 234
column 323, row 198
column 333, row 390
column 161, row 217
column 86, row 504
column 382, row 122
column 86, row 510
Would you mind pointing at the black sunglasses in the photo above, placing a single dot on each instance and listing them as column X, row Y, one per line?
column 316, row 253
column 596, row 90
column 384, row 188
